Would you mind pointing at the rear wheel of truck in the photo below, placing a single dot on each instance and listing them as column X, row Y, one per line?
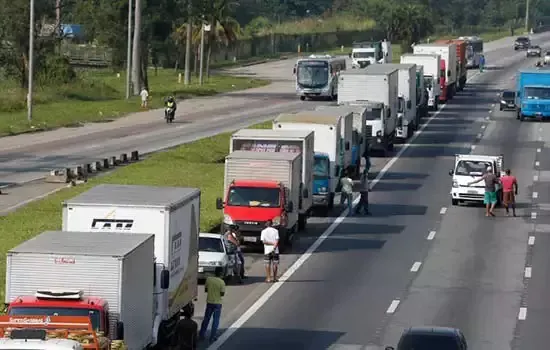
column 302, row 98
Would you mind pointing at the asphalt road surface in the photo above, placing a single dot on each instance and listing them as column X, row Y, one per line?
column 418, row 260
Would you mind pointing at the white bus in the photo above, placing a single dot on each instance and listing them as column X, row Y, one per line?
column 474, row 50
column 317, row 76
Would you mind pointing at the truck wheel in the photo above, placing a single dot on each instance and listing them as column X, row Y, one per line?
column 454, row 201
column 521, row 118
column 302, row 222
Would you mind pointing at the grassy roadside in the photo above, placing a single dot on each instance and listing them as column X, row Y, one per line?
column 98, row 95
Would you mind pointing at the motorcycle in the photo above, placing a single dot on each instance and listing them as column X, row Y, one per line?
column 169, row 114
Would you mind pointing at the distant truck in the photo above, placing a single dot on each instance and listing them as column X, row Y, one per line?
column 104, row 276
column 329, row 141
column 462, row 61
column 296, row 141
column 259, row 187
column 365, row 53
column 421, row 94
column 533, row 93
column 377, row 84
column 408, row 121
column 433, row 84
column 172, row 214
column 468, row 168
column 474, row 50
column 448, row 68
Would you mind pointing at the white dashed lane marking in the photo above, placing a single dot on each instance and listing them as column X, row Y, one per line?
column 535, row 178
column 416, row 266
column 431, row 235
column 531, row 240
column 528, row 272
column 393, row 306
column 535, row 195
column 533, row 215
column 443, row 210
column 522, row 315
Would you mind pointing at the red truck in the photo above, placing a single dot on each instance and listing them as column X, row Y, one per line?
column 462, row 72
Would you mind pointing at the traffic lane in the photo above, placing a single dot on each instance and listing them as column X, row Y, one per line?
column 473, row 276
column 366, row 261
column 532, row 333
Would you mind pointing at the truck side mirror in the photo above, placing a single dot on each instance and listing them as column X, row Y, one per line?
column 347, row 146
column 409, row 104
column 306, row 193
column 119, row 330
column 289, row 208
column 219, row 203
column 451, row 172
column 164, row 279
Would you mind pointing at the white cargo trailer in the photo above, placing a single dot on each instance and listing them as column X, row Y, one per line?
column 432, row 66
column 449, row 57
column 113, row 271
column 172, row 214
column 296, row 141
column 407, row 119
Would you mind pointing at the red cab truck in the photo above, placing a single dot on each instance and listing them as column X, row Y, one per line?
column 462, row 71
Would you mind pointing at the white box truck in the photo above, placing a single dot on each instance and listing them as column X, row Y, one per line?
column 407, row 119
column 421, row 94
column 259, row 187
column 172, row 214
column 106, row 276
column 297, row 141
column 375, row 84
column 448, row 67
column 359, row 123
column 331, row 151
column 432, row 71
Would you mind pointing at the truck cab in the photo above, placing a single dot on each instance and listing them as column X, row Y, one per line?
column 533, row 93
column 468, row 168
column 365, row 53
column 324, row 185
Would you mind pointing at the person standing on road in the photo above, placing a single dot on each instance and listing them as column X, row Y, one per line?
column 214, row 288
column 368, row 163
column 491, row 182
column 270, row 238
column 364, row 199
column 144, row 97
column 232, row 236
column 186, row 331
column 509, row 191
column 347, row 192
column 481, row 63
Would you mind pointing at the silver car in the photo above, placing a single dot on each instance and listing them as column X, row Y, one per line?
column 534, row 51
column 216, row 251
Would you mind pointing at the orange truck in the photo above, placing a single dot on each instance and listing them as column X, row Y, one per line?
column 461, row 62
column 77, row 328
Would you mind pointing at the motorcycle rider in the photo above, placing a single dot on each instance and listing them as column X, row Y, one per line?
column 232, row 236
column 170, row 102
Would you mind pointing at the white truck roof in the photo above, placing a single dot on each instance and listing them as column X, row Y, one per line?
column 36, row 344
column 309, row 117
column 134, row 195
column 270, row 133
column 288, row 156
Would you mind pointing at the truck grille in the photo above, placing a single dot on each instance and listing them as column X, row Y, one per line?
column 250, row 226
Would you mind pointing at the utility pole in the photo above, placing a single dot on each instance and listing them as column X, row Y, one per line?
column 129, row 53
column 58, row 16
column 136, row 57
column 31, row 62
column 188, row 38
column 204, row 28
column 527, row 16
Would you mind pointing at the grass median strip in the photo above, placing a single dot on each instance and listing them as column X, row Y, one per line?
column 98, row 95
column 197, row 164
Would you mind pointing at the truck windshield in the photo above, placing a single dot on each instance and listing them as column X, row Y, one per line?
column 210, row 244
column 537, row 93
column 471, row 167
column 58, row 311
column 313, row 74
column 428, row 342
column 363, row 54
column 374, row 114
column 254, row 197
column 321, row 168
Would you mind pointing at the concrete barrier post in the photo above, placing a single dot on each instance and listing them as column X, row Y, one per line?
column 135, row 156
column 105, row 164
column 58, row 176
column 113, row 161
column 123, row 158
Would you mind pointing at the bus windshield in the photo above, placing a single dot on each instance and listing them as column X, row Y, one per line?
column 312, row 74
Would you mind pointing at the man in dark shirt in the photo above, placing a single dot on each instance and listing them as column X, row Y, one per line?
column 491, row 182
column 186, row 331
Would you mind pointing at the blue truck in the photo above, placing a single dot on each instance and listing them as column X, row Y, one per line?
column 533, row 93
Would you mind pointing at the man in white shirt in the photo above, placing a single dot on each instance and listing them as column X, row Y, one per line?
column 347, row 192
column 144, row 97
column 270, row 239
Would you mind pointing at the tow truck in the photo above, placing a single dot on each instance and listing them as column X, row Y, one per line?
column 469, row 168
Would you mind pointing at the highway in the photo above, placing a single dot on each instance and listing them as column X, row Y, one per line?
column 418, row 260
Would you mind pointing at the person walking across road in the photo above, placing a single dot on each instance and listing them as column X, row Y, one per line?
column 509, row 191
column 347, row 192
column 491, row 182
column 364, row 199
column 270, row 238
column 214, row 288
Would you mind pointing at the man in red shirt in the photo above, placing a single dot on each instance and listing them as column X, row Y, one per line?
column 509, row 191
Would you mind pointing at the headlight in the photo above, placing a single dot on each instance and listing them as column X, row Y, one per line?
column 227, row 220
column 276, row 221
column 455, row 184
column 379, row 133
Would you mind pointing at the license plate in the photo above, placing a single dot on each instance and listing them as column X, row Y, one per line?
column 472, row 192
column 250, row 239
column 201, row 269
column 511, row 105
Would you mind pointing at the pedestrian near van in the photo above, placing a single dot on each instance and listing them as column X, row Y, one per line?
column 491, row 182
column 363, row 205
column 270, row 238
column 509, row 191
column 214, row 287
column 347, row 192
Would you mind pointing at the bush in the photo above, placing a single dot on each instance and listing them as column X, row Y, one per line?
column 56, row 70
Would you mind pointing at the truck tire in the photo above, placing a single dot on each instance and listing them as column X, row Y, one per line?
column 302, row 222
column 302, row 98
column 521, row 117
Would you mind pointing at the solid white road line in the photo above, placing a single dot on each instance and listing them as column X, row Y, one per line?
column 431, row 235
column 443, row 211
column 522, row 315
column 393, row 306
column 416, row 266
column 528, row 272
column 292, row 269
column 531, row 240
column 534, row 215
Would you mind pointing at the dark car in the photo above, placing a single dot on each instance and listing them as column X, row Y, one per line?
column 508, row 100
column 522, row 43
column 431, row 338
